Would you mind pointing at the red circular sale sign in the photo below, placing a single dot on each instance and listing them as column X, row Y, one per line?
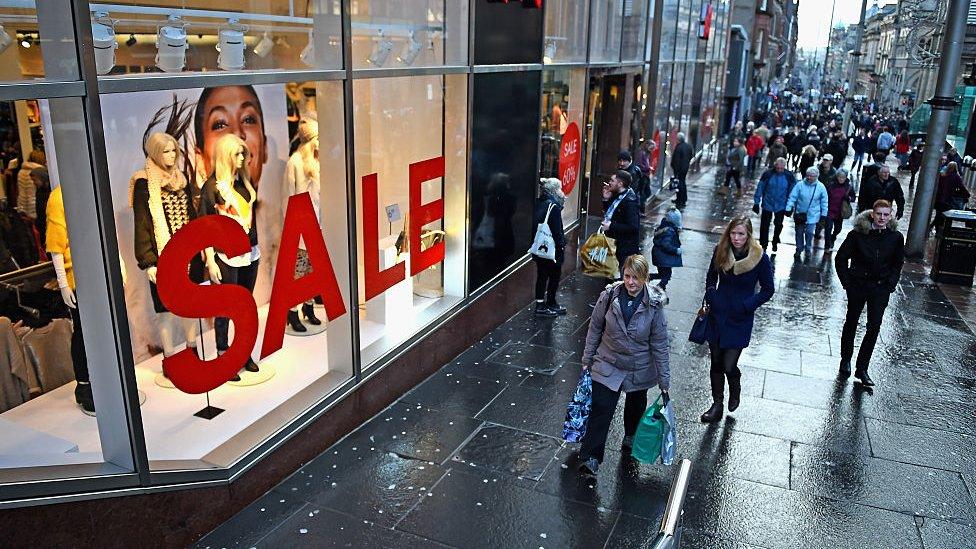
column 569, row 158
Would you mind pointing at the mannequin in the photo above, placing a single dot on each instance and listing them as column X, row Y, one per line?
column 162, row 204
column 228, row 192
column 57, row 246
column 302, row 175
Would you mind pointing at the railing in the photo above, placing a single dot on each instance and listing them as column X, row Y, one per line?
column 666, row 538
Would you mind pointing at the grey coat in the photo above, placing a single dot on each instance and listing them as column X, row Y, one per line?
column 632, row 357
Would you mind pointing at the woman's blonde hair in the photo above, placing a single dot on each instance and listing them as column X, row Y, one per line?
column 223, row 159
column 310, row 162
column 156, row 145
column 638, row 266
column 724, row 248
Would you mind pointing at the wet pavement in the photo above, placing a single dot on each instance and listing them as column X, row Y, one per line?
column 473, row 457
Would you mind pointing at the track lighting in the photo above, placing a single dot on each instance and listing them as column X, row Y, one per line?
column 308, row 52
column 5, row 39
column 381, row 50
column 26, row 41
column 409, row 53
column 230, row 44
column 131, row 41
column 264, row 46
column 171, row 44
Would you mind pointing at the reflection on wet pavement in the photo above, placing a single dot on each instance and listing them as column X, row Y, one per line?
column 473, row 457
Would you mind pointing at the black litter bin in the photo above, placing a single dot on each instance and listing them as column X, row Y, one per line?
column 955, row 253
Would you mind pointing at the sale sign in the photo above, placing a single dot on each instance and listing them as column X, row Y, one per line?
column 569, row 158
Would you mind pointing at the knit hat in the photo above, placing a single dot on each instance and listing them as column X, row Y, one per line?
column 674, row 216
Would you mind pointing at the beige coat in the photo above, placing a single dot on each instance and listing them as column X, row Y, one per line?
column 632, row 357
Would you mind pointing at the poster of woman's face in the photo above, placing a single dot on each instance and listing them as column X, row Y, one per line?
column 197, row 118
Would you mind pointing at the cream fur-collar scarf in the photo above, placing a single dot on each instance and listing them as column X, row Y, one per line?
column 158, row 179
column 745, row 264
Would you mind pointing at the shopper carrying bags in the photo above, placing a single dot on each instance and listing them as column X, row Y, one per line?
column 738, row 265
column 626, row 352
column 549, row 262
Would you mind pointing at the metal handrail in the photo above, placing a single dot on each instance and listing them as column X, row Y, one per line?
column 672, row 513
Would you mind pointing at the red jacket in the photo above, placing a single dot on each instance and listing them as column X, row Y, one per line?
column 754, row 144
column 903, row 145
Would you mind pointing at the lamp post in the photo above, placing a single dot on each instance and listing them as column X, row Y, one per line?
column 855, row 67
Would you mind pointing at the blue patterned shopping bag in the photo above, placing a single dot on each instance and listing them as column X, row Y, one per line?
column 579, row 409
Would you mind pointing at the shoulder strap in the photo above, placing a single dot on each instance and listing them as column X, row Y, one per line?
column 548, row 211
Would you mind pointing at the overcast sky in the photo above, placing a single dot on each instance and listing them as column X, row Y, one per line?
column 814, row 19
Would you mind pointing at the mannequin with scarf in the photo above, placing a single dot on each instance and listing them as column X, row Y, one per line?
column 302, row 176
column 228, row 192
column 162, row 204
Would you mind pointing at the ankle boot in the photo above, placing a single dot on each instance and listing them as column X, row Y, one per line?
column 309, row 311
column 83, row 396
column 735, row 391
column 295, row 322
column 251, row 366
column 713, row 414
column 863, row 377
column 845, row 368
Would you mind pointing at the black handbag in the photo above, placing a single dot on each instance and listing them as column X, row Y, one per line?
column 698, row 329
column 801, row 218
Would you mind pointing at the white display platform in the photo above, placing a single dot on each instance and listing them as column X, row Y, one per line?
column 22, row 446
column 173, row 433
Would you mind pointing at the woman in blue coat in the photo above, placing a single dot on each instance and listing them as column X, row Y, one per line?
column 666, row 253
column 738, row 265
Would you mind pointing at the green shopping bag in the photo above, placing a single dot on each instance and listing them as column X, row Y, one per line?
column 650, row 434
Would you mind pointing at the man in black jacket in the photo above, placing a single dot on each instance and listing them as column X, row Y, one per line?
column 871, row 170
column 881, row 186
column 621, row 218
column 625, row 162
column 868, row 265
column 680, row 162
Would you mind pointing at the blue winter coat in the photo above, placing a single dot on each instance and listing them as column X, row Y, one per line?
column 774, row 190
column 810, row 199
column 733, row 304
column 667, row 246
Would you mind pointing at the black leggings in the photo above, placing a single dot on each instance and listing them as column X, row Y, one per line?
column 547, row 280
column 725, row 364
column 79, row 359
column 241, row 276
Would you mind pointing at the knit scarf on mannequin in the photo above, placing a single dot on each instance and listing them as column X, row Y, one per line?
column 158, row 179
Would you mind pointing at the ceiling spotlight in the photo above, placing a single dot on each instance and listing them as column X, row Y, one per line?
column 264, row 46
column 131, row 41
column 5, row 39
column 550, row 51
column 26, row 41
column 103, row 37
column 230, row 44
column 171, row 44
column 381, row 50
column 308, row 52
column 409, row 53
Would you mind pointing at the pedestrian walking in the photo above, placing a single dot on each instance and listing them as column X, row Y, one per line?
column 807, row 204
column 621, row 218
column 666, row 254
column 951, row 194
column 807, row 158
column 549, row 210
column 871, row 170
column 868, row 264
column 861, row 144
column 772, row 194
column 903, row 144
column 840, row 206
column 626, row 163
column 626, row 351
column 883, row 186
column 680, row 163
column 754, row 147
column 885, row 142
column 915, row 161
column 734, row 161
column 776, row 150
column 737, row 266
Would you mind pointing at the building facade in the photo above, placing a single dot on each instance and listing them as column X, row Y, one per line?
column 369, row 164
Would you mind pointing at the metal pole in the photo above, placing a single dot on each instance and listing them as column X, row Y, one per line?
column 854, row 68
column 830, row 32
column 942, row 104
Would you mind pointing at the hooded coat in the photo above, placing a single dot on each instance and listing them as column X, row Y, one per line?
column 870, row 258
column 667, row 244
column 809, row 198
column 631, row 357
column 732, row 298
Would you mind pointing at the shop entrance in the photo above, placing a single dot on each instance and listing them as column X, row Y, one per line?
column 609, row 126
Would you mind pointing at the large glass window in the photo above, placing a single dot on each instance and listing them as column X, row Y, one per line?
column 634, row 28
column 563, row 94
column 409, row 33
column 135, row 37
column 230, row 211
column 411, row 196
column 565, row 31
column 36, row 42
column 605, row 30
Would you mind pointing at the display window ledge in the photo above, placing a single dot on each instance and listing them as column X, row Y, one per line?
column 38, row 485
column 40, row 89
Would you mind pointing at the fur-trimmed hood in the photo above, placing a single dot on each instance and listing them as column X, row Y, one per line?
column 864, row 224
column 745, row 264
column 653, row 297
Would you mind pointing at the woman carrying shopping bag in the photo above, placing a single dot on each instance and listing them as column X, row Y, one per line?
column 549, row 251
column 626, row 352
column 738, row 265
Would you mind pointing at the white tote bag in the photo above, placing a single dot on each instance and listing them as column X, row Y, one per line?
column 544, row 246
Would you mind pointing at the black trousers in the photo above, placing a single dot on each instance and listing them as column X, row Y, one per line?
column 241, row 276
column 682, row 178
column 725, row 365
column 546, row 279
column 79, row 359
column 876, row 300
column 601, row 415
column 765, row 218
column 733, row 175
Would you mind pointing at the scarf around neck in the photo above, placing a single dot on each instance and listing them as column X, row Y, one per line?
column 157, row 180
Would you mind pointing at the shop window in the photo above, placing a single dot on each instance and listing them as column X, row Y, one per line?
column 230, row 213
column 633, row 30
column 36, row 43
column 58, row 402
column 410, row 136
column 563, row 94
column 605, row 30
column 566, row 22
column 408, row 33
column 507, row 32
column 135, row 37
